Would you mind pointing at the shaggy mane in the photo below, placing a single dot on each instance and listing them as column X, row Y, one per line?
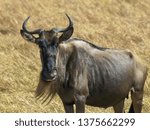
column 45, row 91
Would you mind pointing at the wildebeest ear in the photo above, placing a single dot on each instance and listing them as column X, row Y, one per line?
column 66, row 35
column 27, row 36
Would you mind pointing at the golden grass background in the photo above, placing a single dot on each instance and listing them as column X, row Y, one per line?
column 121, row 24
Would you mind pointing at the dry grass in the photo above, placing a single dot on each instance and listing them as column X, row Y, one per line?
column 111, row 23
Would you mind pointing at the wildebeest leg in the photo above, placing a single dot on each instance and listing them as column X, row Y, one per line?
column 118, row 108
column 68, row 108
column 80, row 103
column 80, row 82
column 131, row 110
column 138, row 90
column 137, row 99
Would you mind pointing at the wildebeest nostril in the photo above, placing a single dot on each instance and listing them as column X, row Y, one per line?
column 53, row 73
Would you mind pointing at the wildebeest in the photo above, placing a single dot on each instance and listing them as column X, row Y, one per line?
column 82, row 73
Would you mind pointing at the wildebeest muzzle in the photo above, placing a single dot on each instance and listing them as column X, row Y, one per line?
column 49, row 75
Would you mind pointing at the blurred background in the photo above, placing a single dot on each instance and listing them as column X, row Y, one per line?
column 123, row 24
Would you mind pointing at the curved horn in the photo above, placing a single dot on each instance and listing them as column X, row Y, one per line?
column 65, row 29
column 27, row 31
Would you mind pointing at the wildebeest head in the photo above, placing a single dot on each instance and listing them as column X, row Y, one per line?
column 48, row 41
